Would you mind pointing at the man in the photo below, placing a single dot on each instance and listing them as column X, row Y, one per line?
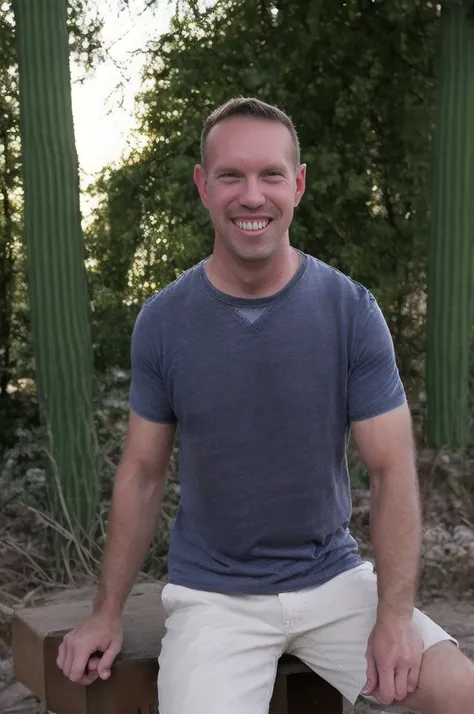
column 265, row 357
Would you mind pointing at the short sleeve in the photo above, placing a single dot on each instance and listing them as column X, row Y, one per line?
column 374, row 385
column 148, row 396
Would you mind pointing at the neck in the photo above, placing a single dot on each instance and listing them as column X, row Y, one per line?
column 252, row 279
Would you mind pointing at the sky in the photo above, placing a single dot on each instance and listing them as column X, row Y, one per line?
column 101, row 126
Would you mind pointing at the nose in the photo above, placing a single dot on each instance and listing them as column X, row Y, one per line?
column 251, row 195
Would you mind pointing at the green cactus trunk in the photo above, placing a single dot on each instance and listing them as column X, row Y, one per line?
column 55, row 249
column 451, row 250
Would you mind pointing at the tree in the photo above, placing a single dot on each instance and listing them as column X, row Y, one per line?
column 9, row 179
column 17, row 401
column 364, row 120
column 450, row 324
column 55, row 251
column 14, row 347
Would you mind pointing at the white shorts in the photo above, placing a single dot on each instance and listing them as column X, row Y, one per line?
column 220, row 652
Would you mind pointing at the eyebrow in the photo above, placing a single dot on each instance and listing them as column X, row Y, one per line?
column 225, row 170
column 233, row 170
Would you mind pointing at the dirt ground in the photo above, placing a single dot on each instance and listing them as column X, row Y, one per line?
column 446, row 591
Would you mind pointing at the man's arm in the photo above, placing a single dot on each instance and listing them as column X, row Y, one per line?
column 136, row 505
column 385, row 445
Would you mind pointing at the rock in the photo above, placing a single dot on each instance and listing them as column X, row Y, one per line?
column 16, row 699
column 464, row 535
column 435, row 536
column 436, row 552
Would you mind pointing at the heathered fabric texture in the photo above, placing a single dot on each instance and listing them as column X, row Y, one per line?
column 264, row 411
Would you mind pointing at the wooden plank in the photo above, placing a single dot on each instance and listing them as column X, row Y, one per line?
column 279, row 700
column 28, row 662
column 140, row 640
column 308, row 693
column 136, row 688
column 130, row 688
column 289, row 664
column 38, row 631
column 102, row 696
column 61, row 695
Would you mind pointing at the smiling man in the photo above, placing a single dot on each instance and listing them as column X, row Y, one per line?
column 265, row 357
column 250, row 190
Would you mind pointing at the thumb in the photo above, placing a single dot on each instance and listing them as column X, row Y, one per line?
column 372, row 676
column 107, row 659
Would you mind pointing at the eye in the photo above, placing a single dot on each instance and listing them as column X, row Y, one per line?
column 273, row 174
column 228, row 174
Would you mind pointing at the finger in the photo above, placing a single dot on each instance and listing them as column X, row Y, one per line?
column 92, row 664
column 386, row 684
column 78, row 667
column 412, row 678
column 401, row 684
column 107, row 660
column 372, row 676
column 61, row 655
column 88, row 678
column 68, row 658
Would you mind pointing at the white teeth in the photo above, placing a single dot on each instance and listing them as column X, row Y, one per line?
column 251, row 225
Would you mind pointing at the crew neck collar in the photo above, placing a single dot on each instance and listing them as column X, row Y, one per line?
column 254, row 302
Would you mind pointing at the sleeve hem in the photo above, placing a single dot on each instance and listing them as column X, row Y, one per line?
column 154, row 418
column 378, row 411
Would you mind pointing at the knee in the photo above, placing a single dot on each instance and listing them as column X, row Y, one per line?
column 446, row 683
column 463, row 697
column 458, row 695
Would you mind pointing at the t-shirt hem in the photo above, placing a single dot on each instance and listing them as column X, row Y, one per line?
column 273, row 589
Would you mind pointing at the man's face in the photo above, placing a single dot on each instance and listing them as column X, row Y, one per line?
column 250, row 185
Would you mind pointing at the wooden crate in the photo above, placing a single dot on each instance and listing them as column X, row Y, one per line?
column 131, row 688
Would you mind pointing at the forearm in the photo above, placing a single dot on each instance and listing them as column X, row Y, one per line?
column 396, row 538
column 135, row 509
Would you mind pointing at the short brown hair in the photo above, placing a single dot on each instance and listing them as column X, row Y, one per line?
column 251, row 107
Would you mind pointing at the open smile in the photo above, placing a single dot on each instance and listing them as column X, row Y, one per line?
column 254, row 226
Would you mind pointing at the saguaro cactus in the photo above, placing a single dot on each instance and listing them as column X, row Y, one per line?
column 55, row 251
column 451, row 250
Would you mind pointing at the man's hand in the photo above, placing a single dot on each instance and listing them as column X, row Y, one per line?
column 393, row 656
column 88, row 651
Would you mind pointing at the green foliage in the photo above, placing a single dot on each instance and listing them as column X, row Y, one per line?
column 12, row 297
column 84, row 26
column 357, row 79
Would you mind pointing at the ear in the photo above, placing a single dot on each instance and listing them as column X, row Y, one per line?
column 200, row 179
column 300, row 184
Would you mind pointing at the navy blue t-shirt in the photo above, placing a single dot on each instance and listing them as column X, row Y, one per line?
column 264, row 392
